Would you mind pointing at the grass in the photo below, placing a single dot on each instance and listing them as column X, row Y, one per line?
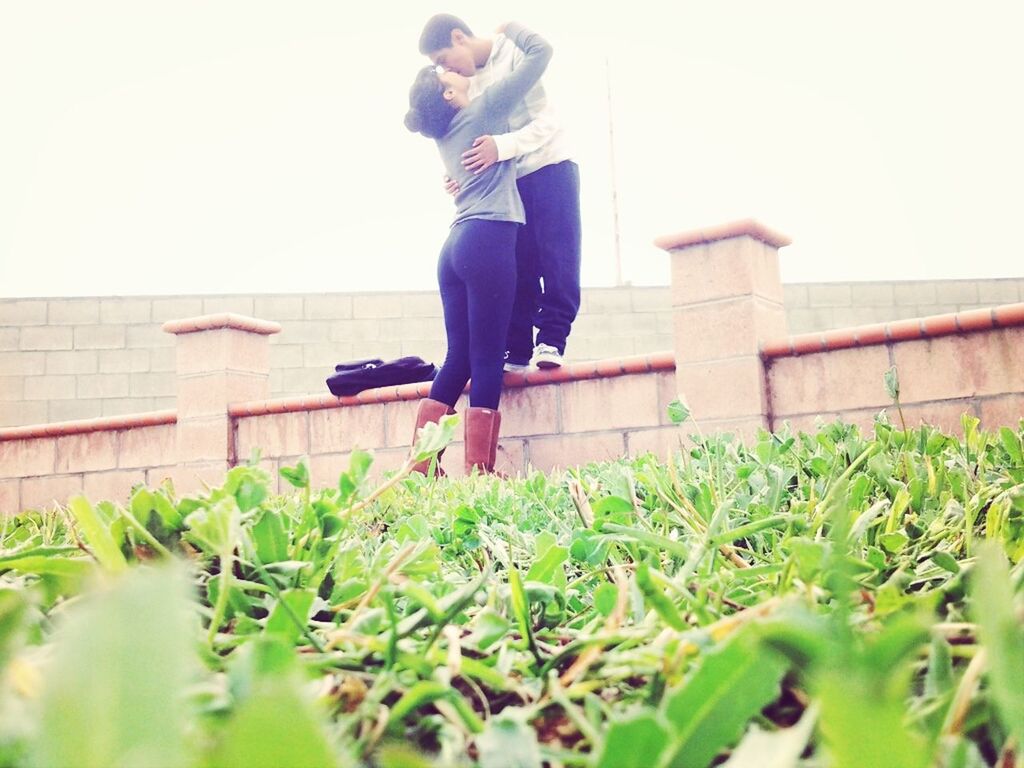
column 825, row 599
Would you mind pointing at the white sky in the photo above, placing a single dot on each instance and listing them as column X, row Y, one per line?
column 232, row 147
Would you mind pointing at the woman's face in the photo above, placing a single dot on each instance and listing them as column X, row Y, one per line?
column 456, row 88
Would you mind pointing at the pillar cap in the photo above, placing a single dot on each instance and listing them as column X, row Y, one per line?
column 750, row 227
column 221, row 320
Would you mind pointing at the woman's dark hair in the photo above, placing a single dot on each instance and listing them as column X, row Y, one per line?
column 428, row 113
column 437, row 32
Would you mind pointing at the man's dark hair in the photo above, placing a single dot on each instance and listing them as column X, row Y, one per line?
column 437, row 32
column 428, row 113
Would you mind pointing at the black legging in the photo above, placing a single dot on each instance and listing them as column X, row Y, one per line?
column 477, row 275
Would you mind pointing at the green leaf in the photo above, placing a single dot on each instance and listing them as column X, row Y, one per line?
column 635, row 741
column 605, row 598
column 290, row 618
column 893, row 542
column 945, row 561
column 435, row 437
column 733, row 683
column 652, row 585
column 611, row 509
column 74, row 568
column 1001, row 635
column 97, row 535
column 298, row 475
column 489, row 627
column 892, row 383
column 508, row 741
column 543, row 569
column 113, row 692
column 1012, row 443
column 270, row 539
column 274, row 727
column 677, row 412
column 13, row 609
column 774, row 749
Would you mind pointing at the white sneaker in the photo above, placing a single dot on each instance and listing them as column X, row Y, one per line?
column 546, row 356
column 516, row 367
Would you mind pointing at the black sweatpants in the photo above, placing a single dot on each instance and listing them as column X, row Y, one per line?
column 477, row 276
column 548, row 249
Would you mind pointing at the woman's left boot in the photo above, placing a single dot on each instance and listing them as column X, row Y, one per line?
column 482, row 426
column 429, row 412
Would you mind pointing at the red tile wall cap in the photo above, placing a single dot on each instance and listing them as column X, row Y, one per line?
column 754, row 229
column 222, row 320
column 593, row 369
column 931, row 326
column 105, row 424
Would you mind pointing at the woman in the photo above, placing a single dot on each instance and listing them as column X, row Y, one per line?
column 476, row 270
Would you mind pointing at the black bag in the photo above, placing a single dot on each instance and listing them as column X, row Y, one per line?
column 353, row 377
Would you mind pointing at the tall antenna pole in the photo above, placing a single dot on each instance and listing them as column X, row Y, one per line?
column 615, row 191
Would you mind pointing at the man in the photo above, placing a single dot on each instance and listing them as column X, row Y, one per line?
column 548, row 245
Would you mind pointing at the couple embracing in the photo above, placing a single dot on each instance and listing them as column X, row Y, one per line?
column 517, row 220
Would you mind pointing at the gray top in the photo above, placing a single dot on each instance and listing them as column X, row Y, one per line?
column 492, row 194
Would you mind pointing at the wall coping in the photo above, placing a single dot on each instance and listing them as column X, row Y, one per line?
column 104, row 424
column 750, row 227
column 931, row 326
column 222, row 320
column 594, row 369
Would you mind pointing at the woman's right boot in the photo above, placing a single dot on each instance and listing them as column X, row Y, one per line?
column 481, row 442
column 429, row 412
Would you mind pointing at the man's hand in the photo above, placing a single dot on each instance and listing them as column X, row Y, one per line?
column 482, row 156
column 451, row 186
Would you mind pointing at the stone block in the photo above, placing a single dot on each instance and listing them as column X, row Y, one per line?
column 421, row 305
column 166, row 309
column 620, row 402
column 10, row 497
column 562, row 451
column 957, row 292
column 531, row 411
column 602, row 301
column 1001, row 411
column 120, row 406
column 16, row 414
column 915, row 292
column 286, row 355
column 126, row 311
column 47, row 492
column 734, row 267
column 87, row 452
column 278, row 308
column 147, row 446
column 830, row 295
column 152, row 384
column 377, row 305
column 202, row 440
column 239, row 305
column 26, row 458
column 872, row 294
column 113, row 486
column 843, row 379
column 208, row 394
column 77, row 361
column 44, row 337
column 305, row 332
column 222, row 349
column 124, row 360
column 722, row 389
column 22, row 363
column 976, row 364
column 12, row 388
column 327, row 307
column 724, row 329
column 49, row 387
column 73, row 312
column 339, row 430
column 73, row 410
column 100, row 337
column 661, row 441
column 275, row 435
column 10, row 339
column 147, row 337
column 993, row 292
column 23, row 312
column 103, row 385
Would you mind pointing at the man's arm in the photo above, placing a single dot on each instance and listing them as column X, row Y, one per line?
column 488, row 150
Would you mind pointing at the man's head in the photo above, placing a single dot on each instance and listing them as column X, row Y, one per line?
column 448, row 41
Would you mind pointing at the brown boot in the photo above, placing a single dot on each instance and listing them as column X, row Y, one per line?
column 430, row 412
column 481, row 441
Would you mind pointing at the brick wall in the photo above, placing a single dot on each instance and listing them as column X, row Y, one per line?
column 63, row 359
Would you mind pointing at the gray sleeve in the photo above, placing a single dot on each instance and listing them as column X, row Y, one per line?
column 503, row 96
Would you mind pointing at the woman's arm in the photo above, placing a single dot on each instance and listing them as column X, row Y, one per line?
column 502, row 97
